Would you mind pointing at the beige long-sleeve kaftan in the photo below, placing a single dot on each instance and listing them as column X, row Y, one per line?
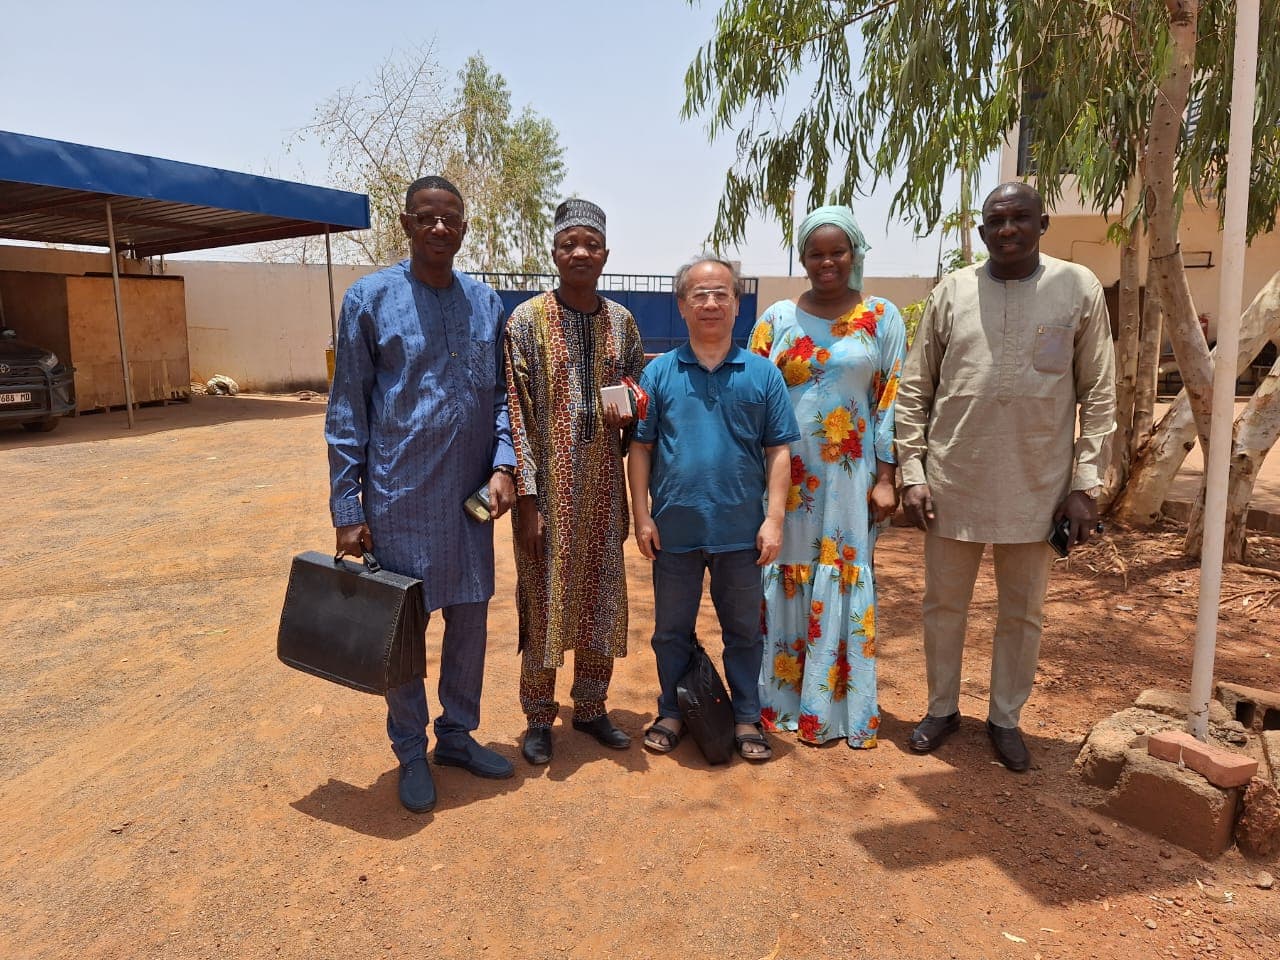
column 987, row 405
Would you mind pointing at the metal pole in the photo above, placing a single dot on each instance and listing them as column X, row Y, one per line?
column 115, row 284
column 333, row 311
column 1217, row 466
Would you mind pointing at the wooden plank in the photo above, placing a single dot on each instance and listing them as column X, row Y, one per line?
column 155, row 319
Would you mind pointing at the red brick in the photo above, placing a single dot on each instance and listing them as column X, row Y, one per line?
column 1220, row 767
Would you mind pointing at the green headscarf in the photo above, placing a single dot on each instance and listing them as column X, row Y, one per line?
column 842, row 217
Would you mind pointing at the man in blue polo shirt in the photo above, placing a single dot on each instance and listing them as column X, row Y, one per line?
column 712, row 455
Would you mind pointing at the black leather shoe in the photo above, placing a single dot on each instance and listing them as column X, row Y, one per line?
column 537, row 745
column 932, row 732
column 602, row 729
column 417, row 791
column 1010, row 749
column 476, row 760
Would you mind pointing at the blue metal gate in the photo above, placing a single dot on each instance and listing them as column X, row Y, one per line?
column 649, row 297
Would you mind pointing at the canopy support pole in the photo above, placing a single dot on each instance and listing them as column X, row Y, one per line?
column 328, row 263
column 115, row 285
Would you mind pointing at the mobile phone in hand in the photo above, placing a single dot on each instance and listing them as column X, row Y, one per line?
column 477, row 505
column 1060, row 537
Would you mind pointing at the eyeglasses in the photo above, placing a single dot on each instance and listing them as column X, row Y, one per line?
column 428, row 221
column 720, row 297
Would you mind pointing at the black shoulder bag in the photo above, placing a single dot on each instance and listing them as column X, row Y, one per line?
column 706, row 707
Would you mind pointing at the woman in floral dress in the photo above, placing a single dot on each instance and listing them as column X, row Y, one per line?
column 841, row 356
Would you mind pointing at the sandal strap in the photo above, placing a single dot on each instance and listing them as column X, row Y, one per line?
column 670, row 738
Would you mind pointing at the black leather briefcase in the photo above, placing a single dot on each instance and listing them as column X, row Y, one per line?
column 357, row 625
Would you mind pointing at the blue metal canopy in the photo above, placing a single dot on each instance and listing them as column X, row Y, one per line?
column 57, row 192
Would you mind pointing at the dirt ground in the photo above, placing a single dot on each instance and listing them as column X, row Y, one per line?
column 171, row 790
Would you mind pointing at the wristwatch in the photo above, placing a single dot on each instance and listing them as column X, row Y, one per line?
column 506, row 468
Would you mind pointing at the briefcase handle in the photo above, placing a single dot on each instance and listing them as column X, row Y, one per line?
column 372, row 565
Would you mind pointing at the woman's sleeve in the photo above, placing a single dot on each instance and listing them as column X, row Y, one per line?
column 891, row 338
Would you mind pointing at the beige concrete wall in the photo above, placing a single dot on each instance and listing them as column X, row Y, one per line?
column 267, row 325
column 899, row 291
column 264, row 325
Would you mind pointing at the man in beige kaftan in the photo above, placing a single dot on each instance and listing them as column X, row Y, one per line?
column 1006, row 354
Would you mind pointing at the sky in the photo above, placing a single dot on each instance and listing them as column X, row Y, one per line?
column 229, row 85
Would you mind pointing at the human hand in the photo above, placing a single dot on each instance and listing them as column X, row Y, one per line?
column 502, row 494
column 769, row 540
column 1080, row 509
column 530, row 527
column 883, row 501
column 616, row 419
column 917, row 504
column 647, row 536
column 353, row 540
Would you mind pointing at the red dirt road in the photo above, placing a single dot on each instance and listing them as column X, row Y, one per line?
column 170, row 790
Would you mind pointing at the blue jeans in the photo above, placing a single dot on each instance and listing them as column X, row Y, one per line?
column 461, row 679
column 736, row 593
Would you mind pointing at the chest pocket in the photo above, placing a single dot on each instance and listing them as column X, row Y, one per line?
column 481, row 360
column 746, row 418
column 1053, row 348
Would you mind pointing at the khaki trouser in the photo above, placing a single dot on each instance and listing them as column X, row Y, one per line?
column 1022, row 576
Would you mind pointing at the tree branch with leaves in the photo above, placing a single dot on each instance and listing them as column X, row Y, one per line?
column 411, row 119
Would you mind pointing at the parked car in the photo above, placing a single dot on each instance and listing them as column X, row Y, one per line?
column 36, row 388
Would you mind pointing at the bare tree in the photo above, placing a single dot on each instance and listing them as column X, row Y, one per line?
column 412, row 118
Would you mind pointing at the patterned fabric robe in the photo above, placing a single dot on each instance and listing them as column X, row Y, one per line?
column 557, row 361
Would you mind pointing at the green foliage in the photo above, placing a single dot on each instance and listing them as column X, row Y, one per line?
column 919, row 89
column 911, row 315
column 408, row 121
column 509, row 170
column 953, row 260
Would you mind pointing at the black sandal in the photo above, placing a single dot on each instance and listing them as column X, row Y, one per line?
column 742, row 739
column 670, row 738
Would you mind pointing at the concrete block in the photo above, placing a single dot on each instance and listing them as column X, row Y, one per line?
column 1101, row 760
column 1173, row 703
column 1256, row 709
column 1219, row 766
column 1173, row 803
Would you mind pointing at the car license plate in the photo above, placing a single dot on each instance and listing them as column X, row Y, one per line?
column 15, row 398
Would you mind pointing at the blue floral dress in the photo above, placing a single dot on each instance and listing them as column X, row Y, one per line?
column 818, row 676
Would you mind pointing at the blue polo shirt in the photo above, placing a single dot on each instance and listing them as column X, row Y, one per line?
column 709, row 429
